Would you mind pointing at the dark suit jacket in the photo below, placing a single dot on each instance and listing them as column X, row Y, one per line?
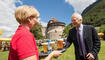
column 91, row 40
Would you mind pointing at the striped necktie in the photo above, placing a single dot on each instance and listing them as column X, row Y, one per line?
column 81, row 43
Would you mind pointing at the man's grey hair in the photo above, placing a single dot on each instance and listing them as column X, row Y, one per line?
column 77, row 15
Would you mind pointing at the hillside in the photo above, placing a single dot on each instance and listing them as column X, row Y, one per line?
column 95, row 14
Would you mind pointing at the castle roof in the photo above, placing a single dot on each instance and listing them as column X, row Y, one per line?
column 53, row 19
column 54, row 22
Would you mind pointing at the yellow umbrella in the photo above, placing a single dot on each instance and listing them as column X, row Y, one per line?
column 1, row 32
column 100, row 34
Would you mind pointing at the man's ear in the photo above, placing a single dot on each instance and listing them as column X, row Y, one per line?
column 81, row 20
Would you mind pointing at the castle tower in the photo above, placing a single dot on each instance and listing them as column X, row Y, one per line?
column 54, row 29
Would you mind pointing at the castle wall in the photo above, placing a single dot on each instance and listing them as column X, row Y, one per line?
column 43, row 31
column 54, row 32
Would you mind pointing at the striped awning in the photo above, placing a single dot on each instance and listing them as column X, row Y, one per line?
column 5, row 39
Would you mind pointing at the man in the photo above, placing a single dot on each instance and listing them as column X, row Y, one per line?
column 84, row 38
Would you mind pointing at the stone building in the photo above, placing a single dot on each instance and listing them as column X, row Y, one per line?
column 44, row 31
column 54, row 29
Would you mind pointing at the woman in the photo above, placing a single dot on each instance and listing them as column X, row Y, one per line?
column 23, row 45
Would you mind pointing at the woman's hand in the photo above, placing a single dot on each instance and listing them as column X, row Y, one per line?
column 56, row 54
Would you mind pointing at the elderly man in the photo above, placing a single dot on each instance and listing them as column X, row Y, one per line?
column 84, row 38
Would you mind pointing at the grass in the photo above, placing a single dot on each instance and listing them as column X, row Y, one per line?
column 101, row 54
column 4, row 55
column 68, row 55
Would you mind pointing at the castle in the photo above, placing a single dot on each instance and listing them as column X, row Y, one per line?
column 53, row 30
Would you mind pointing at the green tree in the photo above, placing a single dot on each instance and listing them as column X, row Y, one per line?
column 66, row 31
column 37, row 32
column 102, row 30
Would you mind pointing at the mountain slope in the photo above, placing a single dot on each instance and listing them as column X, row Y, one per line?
column 95, row 14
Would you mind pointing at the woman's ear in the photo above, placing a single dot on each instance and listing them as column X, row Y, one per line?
column 28, row 21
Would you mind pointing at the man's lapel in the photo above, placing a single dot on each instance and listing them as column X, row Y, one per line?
column 84, row 32
column 75, row 35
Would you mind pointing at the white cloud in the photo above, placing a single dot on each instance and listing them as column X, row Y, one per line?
column 18, row 1
column 7, row 21
column 44, row 24
column 80, row 5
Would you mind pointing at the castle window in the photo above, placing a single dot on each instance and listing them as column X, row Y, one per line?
column 51, row 21
column 55, row 31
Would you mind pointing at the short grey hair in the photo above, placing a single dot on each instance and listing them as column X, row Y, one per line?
column 77, row 15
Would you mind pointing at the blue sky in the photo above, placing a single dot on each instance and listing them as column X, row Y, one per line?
column 58, row 9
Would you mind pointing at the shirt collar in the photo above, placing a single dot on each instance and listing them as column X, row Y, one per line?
column 81, row 27
column 21, row 27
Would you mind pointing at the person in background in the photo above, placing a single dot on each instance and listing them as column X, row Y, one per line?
column 23, row 45
column 84, row 38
